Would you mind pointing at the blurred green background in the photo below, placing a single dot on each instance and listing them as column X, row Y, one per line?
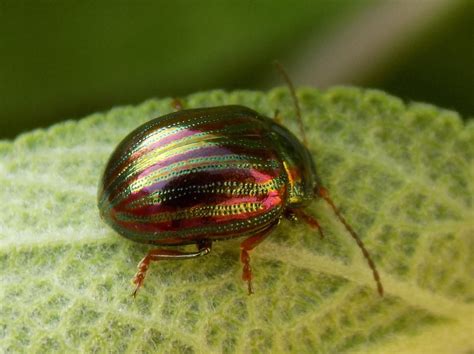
column 63, row 60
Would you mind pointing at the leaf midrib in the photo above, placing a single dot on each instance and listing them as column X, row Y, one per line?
column 359, row 273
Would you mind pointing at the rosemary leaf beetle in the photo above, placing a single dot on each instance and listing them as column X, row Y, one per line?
column 201, row 175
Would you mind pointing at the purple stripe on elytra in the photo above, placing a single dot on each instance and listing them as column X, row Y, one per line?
column 204, row 176
column 266, row 156
column 208, row 151
column 201, row 152
column 209, row 127
column 146, row 149
column 208, row 229
column 173, row 138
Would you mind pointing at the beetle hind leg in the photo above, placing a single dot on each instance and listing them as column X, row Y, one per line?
column 204, row 248
column 177, row 104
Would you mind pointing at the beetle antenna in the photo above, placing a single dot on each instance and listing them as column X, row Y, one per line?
column 324, row 193
column 281, row 70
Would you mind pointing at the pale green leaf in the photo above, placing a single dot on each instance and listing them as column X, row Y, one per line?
column 401, row 173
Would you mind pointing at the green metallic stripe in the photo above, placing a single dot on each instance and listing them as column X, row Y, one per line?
column 146, row 137
column 194, row 118
column 192, row 160
column 197, row 138
column 187, row 144
column 181, row 146
column 139, row 185
column 239, row 228
column 164, row 132
column 201, row 164
column 215, row 165
column 232, row 188
column 231, row 228
column 194, row 212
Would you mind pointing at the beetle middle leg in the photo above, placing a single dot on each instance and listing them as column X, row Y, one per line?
column 247, row 245
column 204, row 247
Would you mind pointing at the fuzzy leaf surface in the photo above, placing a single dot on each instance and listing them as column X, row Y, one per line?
column 402, row 175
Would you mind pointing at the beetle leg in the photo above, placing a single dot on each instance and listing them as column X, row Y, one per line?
column 247, row 245
column 290, row 215
column 308, row 219
column 204, row 247
column 177, row 104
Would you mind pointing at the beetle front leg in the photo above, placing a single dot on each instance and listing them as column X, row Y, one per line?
column 308, row 219
column 204, row 248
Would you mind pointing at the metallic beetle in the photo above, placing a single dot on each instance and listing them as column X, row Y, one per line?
column 201, row 175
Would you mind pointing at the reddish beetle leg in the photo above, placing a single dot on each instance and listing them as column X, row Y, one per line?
column 308, row 219
column 247, row 245
column 204, row 247
column 177, row 104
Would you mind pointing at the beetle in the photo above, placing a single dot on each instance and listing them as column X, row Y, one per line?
column 201, row 175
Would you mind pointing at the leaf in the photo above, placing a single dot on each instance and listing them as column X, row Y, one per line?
column 402, row 175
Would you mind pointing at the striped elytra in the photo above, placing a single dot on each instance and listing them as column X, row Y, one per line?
column 211, row 173
column 200, row 175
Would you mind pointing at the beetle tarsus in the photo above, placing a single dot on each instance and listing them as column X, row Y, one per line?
column 134, row 294
column 141, row 273
column 246, row 270
column 204, row 247
column 245, row 247
column 249, row 286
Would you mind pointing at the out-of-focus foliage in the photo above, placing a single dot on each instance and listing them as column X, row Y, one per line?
column 63, row 60
column 438, row 67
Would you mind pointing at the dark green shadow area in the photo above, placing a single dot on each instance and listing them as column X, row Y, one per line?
column 64, row 60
